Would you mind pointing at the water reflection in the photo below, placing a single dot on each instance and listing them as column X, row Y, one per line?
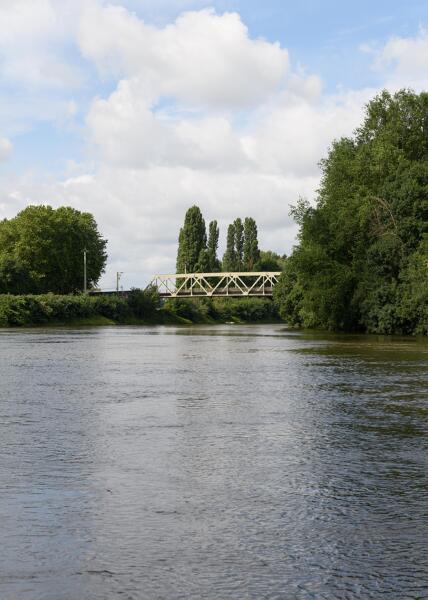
column 212, row 462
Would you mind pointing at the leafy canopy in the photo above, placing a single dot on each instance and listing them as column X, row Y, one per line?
column 41, row 250
column 362, row 258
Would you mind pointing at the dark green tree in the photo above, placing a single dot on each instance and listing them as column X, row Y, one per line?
column 192, row 240
column 204, row 262
column 229, row 257
column 15, row 278
column 270, row 261
column 251, row 244
column 359, row 261
column 212, row 247
column 41, row 250
column 239, row 244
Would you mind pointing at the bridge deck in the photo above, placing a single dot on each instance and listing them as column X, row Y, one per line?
column 232, row 284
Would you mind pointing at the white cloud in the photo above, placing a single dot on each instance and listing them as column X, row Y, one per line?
column 293, row 135
column 5, row 148
column 200, row 113
column 126, row 132
column 404, row 61
column 140, row 211
column 240, row 135
column 202, row 59
column 38, row 67
column 32, row 36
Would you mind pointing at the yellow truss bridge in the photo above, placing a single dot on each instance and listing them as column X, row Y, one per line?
column 185, row 285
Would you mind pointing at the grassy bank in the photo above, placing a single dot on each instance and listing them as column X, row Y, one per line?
column 138, row 308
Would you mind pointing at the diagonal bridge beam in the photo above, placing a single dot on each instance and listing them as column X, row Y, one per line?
column 233, row 284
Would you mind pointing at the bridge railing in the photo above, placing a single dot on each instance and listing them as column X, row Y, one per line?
column 236, row 284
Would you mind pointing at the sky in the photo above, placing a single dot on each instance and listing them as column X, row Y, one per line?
column 134, row 110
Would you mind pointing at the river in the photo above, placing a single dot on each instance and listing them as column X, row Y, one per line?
column 212, row 462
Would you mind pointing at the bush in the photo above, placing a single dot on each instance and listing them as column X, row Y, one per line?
column 144, row 303
column 48, row 308
column 201, row 310
column 193, row 309
column 244, row 309
column 139, row 304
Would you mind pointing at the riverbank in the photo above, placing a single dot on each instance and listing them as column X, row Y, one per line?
column 137, row 308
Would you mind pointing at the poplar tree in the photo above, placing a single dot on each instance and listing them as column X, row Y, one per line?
column 229, row 258
column 239, row 243
column 191, row 241
column 212, row 246
column 251, row 244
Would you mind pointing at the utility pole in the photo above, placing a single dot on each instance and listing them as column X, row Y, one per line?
column 84, row 271
column 118, row 276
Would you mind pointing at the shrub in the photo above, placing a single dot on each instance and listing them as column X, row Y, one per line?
column 144, row 303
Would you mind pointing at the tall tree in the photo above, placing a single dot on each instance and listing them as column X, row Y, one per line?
column 358, row 264
column 41, row 250
column 212, row 246
column 251, row 244
column 204, row 262
column 239, row 243
column 192, row 240
column 229, row 257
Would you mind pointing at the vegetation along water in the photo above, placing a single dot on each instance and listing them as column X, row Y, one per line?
column 360, row 263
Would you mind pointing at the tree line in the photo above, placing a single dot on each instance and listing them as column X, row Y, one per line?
column 197, row 250
column 361, row 262
column 361, row 258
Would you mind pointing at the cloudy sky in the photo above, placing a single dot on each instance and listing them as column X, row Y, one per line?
column 136, row 109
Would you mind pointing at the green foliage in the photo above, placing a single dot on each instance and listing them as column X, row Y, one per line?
column 413, row 291
column 239, row 244
column 270, row 261
column 361, row 259
column 251, row 245
column 41, row 250
column 212, row 247
column 204, row 262
column 50, row 308
column 197, row 254
column 144, row 303
column 229, row 258
column 195, row 310
column 242, row 248
column 243, row 309
column 203, row 310
column 192, row 241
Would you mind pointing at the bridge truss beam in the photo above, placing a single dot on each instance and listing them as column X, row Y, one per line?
column 184, row 285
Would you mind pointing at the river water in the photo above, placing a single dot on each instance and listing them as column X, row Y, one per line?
column 212, row 462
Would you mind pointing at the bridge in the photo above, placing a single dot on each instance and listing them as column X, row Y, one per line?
column 239, row 284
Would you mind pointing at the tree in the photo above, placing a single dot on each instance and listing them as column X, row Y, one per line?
column 212, row 247
column 204, row 262
column 192, row 240
column 270, row 261
column 359, row 261
column 251, row 244
column 229, row 257
column 41, row 250
column 14, row 276
column 239, row 244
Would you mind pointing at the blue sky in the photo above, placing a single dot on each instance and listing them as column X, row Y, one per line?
column 323, row 35
column 134, row 110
